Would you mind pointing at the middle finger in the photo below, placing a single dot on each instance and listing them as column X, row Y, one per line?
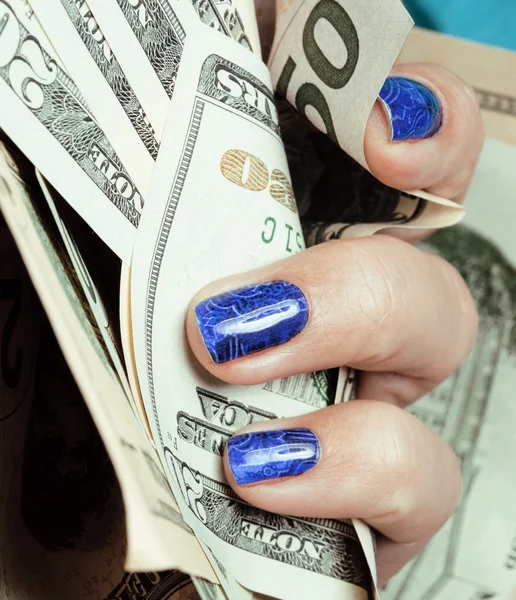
column 375, row 304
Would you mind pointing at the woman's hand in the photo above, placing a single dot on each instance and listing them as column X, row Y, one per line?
column 403, row 317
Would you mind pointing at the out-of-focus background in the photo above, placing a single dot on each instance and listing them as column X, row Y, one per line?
column 488, row 21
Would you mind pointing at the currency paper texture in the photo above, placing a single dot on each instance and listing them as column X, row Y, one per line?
column 91, row 293
column 87, row 97
column 330, row 59
column 89, row 60
column 45, row 114
column 221, row 202
column 224, row 16
column 147, row 37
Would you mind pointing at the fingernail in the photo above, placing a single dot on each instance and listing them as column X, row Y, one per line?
column 251, row 319
column 414, row 111
column 264, row 455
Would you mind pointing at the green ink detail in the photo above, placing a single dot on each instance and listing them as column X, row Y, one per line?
column 322, row 384
column 289, row 229
column 269, row 240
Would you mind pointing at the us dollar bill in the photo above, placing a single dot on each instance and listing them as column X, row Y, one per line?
column 325, row 60
column 47, row 117
column 223, row 122
column 65, row 533
column 172, row 585
column 223, row 16
column 248, row 12
column 158, row 537
column 88, row 58
column 98, row 314
column 474, row 410
column 321, row 546
column 19, row 333
column 147, row 37
column 406, row 210
column 42, row 534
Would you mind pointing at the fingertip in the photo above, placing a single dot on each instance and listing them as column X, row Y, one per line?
column 378, row 126
column 194, row 335
column 431, row 142
column 242, row 334
column 228, row 372
column 380, row 463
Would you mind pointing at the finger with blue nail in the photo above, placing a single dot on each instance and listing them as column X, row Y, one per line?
column 348, row 302
column 425, row 131
column 403, row 317
column 367, row 459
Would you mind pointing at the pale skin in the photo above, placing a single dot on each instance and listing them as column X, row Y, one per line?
column 403, row 317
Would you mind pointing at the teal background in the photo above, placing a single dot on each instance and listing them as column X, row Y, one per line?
column 489, row 21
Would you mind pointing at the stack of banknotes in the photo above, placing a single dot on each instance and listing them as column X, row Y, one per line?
column 147, row 150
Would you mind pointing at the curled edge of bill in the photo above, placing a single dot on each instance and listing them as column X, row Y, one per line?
column 126, row 333
column 445, row 213
column 149, row 534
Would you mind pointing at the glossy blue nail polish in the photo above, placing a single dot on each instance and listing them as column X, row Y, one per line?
column 263, row 455
column 251, row 319
column 414, row 110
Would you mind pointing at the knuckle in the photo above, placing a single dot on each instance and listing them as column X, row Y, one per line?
column 467, row 314
column 398, row 469
column 376, row 296
column 372, row 297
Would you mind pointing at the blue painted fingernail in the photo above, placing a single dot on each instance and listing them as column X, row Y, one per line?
column 414, row 111
column 251, row 319
column 264, row 455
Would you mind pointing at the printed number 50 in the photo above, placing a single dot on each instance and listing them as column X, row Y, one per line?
column 248, row 171
column 333, row 77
